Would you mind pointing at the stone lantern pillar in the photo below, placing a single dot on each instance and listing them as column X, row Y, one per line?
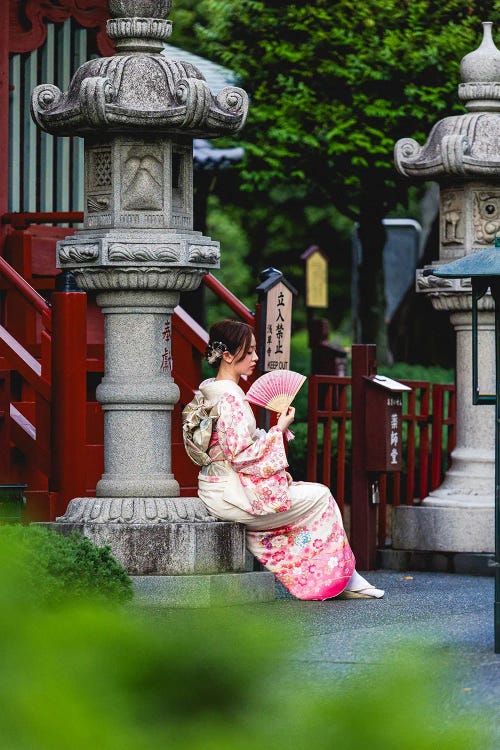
column 138, row 113
column 462, row 154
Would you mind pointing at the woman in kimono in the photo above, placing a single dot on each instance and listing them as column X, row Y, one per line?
column 293, row 528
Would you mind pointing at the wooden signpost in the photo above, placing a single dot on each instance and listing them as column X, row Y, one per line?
column 275, row 298
column 316, row 263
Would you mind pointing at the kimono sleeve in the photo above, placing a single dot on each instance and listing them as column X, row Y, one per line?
column 259, row 455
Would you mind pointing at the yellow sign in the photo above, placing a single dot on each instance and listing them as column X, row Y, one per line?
column 316, row 280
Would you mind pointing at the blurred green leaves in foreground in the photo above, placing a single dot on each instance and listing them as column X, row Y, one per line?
column 77, row 673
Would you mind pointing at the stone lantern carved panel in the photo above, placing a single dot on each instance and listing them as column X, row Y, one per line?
column 174, row 248
column 81, row 253
column 98, row 184
column 452, row 217
column 134, row 182
column 469, row 216
column 100, row 166
column 120, row 252
column 142, row 185
column 485, row 215
column 181, row 185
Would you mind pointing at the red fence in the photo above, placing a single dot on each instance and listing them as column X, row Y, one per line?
column 428, row 439
column 51, row 357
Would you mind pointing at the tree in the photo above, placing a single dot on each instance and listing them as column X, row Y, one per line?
column 332, row 87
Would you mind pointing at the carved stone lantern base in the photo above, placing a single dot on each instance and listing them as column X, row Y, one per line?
column 175, row 553
column 138, row 113
column 461, row 154
column 458, row 516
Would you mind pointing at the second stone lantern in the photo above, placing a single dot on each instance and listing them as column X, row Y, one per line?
column 462, row 154
column 138, row 113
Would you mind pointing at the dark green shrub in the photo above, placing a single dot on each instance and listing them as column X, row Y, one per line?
column 208, row 680
column 55, row 567
column 81, row 675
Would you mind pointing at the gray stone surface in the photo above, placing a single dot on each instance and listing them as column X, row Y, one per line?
column 203, row 591
column 450, row 529
column 328, row 643
column 137, row 394
column 138, row 113
column 133, row 510
column 168, row 548
column 458, row 145
column 465, row 563
column 462, row 155
column 107, row 93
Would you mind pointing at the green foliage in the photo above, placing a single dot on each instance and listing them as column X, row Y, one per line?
column 53, row 567
column 404, row 371
column 333, row 85
column 185, row 16
column 84, row 676
column 234, row 273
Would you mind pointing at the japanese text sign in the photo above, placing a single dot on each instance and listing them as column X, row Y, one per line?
column 277, row 327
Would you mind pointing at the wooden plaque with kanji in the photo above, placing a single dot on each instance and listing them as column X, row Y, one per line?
column 278, row 327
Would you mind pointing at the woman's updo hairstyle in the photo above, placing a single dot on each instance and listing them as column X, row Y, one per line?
column 230, row 336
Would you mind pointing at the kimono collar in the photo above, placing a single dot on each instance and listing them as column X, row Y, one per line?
column 212, row 389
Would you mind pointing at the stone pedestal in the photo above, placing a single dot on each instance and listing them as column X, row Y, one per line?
column 470, row 481
column 458, row 516
column 137, row 394
column 461, row 155
column 175, row 552
column 138, row 113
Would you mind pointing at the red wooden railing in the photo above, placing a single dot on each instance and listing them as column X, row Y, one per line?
column 60, row 440
column 229, row 298
column 428, row 439
column 328, row 410
column 24, row 220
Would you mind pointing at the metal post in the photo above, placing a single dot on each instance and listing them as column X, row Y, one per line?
column 479, row 289
column 495, row 291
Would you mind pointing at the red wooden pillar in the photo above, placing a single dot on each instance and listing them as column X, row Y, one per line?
column 4, row 110
column 6, row 475
column 69, row 397
column 363, row 511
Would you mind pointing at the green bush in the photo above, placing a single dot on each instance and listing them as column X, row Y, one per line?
column 404, row 371
column 207, row 680
column 82, row 674
column 53, row 566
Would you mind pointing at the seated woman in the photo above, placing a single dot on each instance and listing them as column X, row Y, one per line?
column 294, row 528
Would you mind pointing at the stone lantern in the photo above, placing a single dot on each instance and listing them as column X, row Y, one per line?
column 138, row 113
column 462, row 154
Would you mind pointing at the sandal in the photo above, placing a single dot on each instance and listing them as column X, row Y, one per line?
column 367, row 593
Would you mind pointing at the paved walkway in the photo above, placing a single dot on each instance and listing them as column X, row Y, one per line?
column 333, row 641
column 452, row 612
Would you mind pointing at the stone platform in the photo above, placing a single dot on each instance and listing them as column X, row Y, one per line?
column 452, row 529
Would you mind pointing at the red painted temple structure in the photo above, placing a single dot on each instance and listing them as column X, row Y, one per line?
column 51, row 341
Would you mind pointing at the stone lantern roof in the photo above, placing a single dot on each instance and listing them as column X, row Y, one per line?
column 464, row 146
column 139, row 88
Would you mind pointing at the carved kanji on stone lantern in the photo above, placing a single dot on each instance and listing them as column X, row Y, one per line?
column 138, row 113
column 462, row 153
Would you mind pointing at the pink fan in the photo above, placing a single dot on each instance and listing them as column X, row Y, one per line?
column 275, row 390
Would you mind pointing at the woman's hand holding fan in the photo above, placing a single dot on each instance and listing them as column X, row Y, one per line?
column 276, row 390
column 285, row 419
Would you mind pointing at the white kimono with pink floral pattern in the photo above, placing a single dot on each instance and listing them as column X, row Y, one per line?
column 295, row 529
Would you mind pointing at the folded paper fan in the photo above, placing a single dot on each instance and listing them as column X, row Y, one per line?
column 275, row 390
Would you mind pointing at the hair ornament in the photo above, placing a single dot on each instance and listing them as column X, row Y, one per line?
column 215, row 350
